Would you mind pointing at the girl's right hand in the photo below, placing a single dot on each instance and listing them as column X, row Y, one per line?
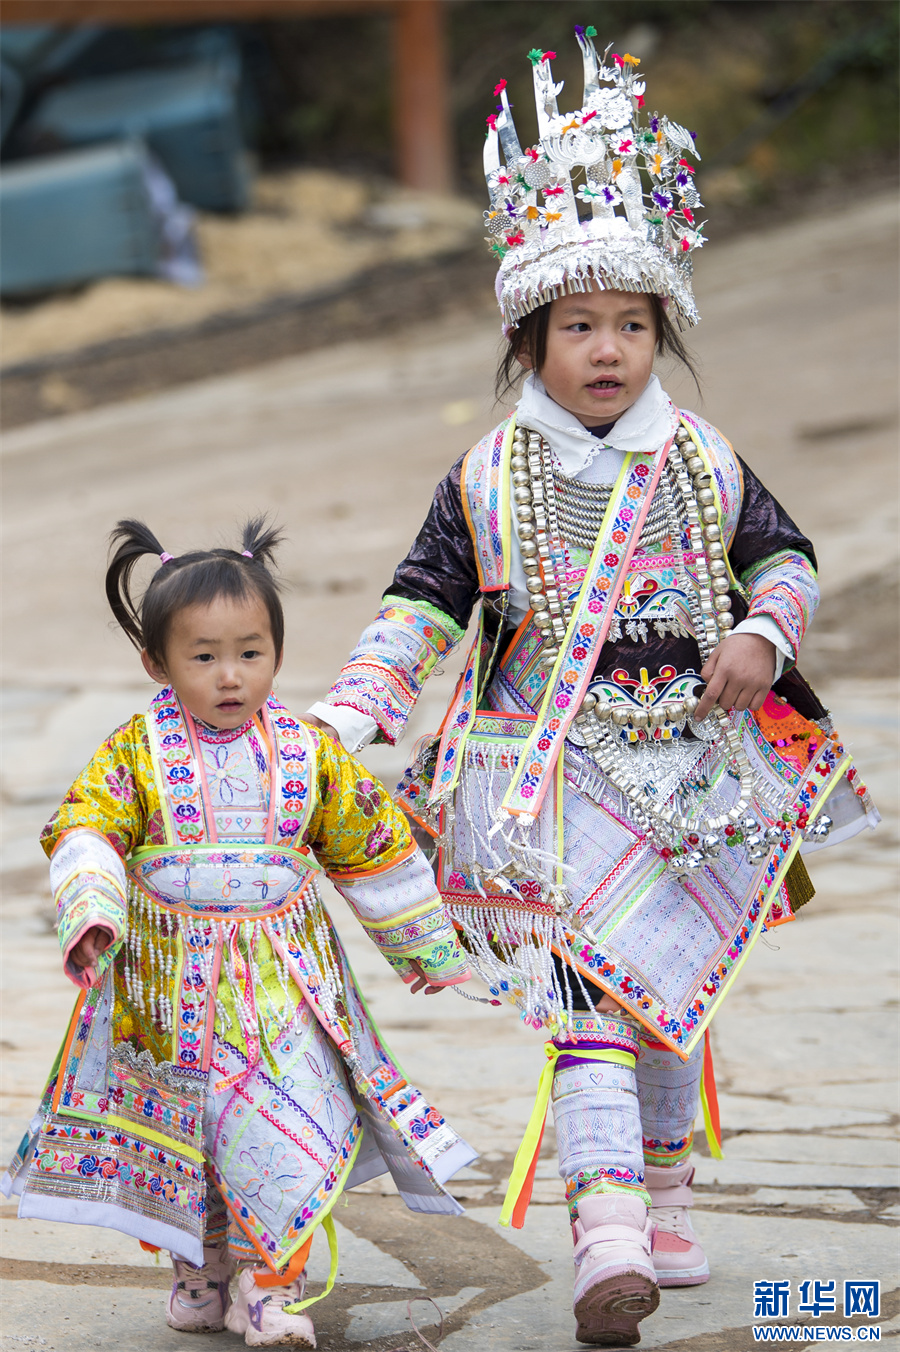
column 421, row 982
column 328, row 730
column 89, row 947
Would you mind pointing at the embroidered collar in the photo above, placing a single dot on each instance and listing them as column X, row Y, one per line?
column 645, row 427
column 216, row 736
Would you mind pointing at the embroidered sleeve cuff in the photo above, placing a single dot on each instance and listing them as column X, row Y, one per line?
column 444, row 964
column 88, row 880
column 85, row 902
column 404, row 915
column 86, row 977
column 391, row 662
column 427, row 935
column 784, row 588
column 434, row 965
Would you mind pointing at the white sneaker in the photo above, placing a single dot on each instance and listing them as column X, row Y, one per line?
column 258, row 1312
column 677, row 1252
column 199, row 1299
column 615, row 1284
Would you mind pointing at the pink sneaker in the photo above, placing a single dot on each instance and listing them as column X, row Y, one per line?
column 200, row 1299
column 615, row 1284
column 258, row 1312
column 677, row 1254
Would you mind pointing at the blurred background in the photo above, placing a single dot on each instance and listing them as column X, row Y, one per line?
column 242, row 269
column 191, row 186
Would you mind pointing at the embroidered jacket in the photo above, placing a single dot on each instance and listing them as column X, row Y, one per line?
column 351, row 826
column 430, row 601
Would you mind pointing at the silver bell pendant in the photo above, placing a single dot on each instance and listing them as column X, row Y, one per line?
column 755, row 846
column 820, row 829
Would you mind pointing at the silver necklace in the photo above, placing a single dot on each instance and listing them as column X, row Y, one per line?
column 686, row 841
column 581, row 508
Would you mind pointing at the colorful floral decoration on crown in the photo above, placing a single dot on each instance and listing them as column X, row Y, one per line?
column 630, row 225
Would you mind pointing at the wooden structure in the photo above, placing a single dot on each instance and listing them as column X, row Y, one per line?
column 422, row 143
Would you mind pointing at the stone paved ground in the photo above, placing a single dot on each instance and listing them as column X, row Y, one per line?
column 799, row 367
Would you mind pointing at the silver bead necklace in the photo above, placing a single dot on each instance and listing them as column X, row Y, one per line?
column 687, row 841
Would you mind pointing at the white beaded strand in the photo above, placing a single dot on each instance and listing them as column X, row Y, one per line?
column 534, row 497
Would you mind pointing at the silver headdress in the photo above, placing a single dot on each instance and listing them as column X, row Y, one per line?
column 636, row 234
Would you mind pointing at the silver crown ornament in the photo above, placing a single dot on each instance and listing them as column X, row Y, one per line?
column 629, row 225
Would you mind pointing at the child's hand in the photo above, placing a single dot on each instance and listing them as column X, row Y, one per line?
column 421, row 981
column 89, row 947
column 328, row 730
column 738, row 674
column 609, row 1005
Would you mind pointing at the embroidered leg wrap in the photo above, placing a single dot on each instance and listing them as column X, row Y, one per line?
column 199, row 1301
column 596, row 1111
column 669, row 1093
column 215, row 1221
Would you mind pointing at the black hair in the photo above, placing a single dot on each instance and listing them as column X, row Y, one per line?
column 529, row 339
column 193, row 579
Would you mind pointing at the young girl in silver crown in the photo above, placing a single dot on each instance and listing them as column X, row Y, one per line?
column 631, row 764
column 221, row 1081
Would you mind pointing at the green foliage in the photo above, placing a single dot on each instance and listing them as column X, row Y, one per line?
column 716, row 66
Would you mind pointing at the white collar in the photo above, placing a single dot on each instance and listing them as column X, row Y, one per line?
column 645, row 427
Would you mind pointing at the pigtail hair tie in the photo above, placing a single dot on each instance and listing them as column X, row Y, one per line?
column 165, row 558
column 259, row 541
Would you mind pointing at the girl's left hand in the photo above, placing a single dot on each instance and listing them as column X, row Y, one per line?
column 609, row 1005
column 421, row 982
column 738, row 674
column 328, row 730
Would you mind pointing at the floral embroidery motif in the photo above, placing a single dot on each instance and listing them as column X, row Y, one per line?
column 156, row 828
column 121, row 783
column 367, row 797
column 273, row 1176
column 378, row 841
column 223, row 774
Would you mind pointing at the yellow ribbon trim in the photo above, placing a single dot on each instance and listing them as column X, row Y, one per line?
column 714, row 1148
column 331, row 1235
column 96, row 872
column 138, row 1129
column 429, row 907
column 526, row 1151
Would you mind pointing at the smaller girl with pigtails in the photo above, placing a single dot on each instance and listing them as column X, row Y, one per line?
column 221, row 1081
